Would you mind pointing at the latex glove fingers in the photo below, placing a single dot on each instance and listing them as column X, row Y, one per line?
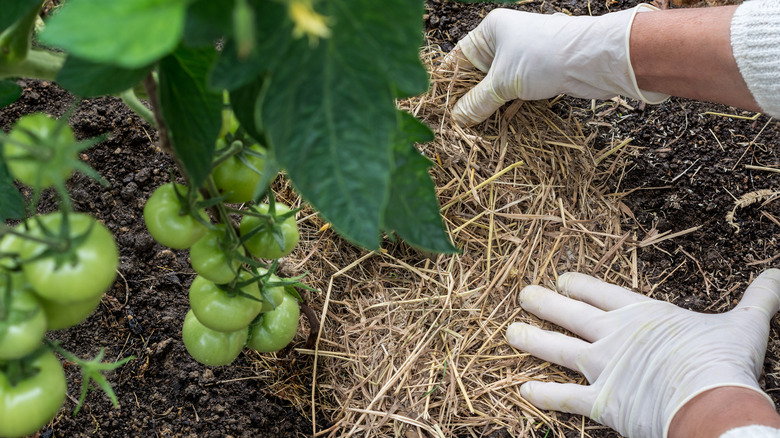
column 455, row 61
column 564, row 397
column 572, row 353
column 597, row 293
column 479, row 103
column 578, row 317
column 763, row 293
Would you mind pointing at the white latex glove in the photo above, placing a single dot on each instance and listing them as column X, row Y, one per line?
column 536, row 56
column 644, row 359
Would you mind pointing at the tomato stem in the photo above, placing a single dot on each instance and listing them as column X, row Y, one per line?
column 150, row 85
column 39, row 64
column 131, row 100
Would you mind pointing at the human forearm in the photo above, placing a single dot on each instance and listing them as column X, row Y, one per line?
column 687, row 53
column 718, row 410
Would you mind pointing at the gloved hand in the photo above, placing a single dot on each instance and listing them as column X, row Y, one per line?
column 535, row 56
column 644, row 359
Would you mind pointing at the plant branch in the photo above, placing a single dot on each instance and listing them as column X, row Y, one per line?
column 150, row 85
column 131, row 100
column 39, row 64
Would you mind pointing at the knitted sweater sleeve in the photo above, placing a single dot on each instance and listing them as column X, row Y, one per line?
column 754, row 431
column 755, row 42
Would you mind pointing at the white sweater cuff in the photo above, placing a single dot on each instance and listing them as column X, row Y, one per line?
column 754, row 431
column 755, row 41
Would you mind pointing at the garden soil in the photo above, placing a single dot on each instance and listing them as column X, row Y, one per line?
column 694, row 161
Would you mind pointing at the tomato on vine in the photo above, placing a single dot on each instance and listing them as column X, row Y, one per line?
column 272, row 295
column 36, row 150
column 235, row 177
column 211, row 347
column 31, row 395
column 10, row 247
column 22, row 321
column 218, row 308
column 169, row 221
column 79, row 266
column 65, row 315
column 213, row 256
column 275, row 329
column 270, row 238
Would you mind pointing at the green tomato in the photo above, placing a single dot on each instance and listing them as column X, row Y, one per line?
column 275, row 329
column 61, row 316
column 230, row 124
column 209, row 260
column 272, row 296
column 47, row 160
column 236, row 178
column 163, row 218
column 25, row 324
column 219, row 310
column 211, row 347
column 81, row 274
column 263, row 245
column 31, row 403
column 10, row 247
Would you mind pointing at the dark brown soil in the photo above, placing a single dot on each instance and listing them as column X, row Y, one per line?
column 682, row 177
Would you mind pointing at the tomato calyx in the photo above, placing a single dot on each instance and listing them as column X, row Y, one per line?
column 269, row 280
column 7, row 317
column 91, row 370
column 61, row 246
column 234, row 289
column 269, row 222
column 49, row 144
column 18, row 370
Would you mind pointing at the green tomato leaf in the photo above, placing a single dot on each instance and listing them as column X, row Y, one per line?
column 243, row 101
column 11, row 201
column 89, row 79
column 192, row 112
column 328, row 109
column 233, row 71
column 413, row 210
column 127, row 33
column 13, row 10
column 9, row 92
column 207, row 21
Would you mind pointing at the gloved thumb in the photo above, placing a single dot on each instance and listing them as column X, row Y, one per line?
column 564, row 397
column 763, row 293
column 478, row 104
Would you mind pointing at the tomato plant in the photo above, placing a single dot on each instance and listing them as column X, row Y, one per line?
column 86, row 251
column 28, row 402
column 222, row 309
column 211, row 347
column 269, row 237
column 276, row 328
column 169, row 220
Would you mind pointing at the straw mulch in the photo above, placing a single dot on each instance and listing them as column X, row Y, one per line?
column 412, row 345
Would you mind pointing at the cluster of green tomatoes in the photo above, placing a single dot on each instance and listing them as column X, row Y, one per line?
column 44, row 261
column 236, row 300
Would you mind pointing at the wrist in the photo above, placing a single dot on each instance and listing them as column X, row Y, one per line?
column 687, row 53
column 718, row 410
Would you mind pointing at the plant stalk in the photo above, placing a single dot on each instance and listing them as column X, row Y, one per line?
column 39, row 64
column 131, row 100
